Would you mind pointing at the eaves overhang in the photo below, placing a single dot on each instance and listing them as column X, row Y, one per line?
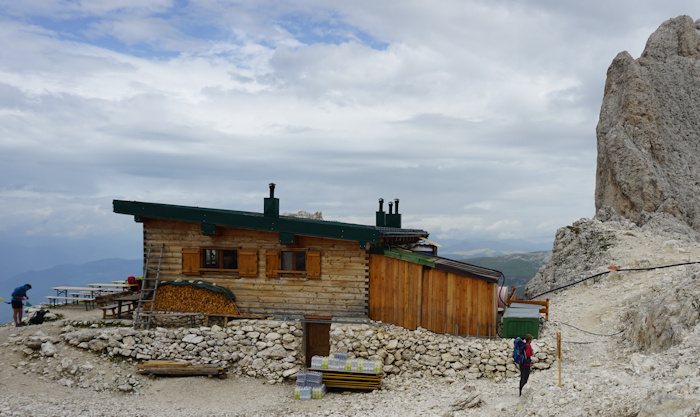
column 446, row 265
column 217, row 217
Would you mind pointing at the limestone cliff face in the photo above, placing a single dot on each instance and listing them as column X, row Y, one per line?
column 649, row 128
column 648, row 174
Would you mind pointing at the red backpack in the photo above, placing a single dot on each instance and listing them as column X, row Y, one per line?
column 133, row 283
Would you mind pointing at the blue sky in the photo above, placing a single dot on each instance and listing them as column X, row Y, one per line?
column 479, row 115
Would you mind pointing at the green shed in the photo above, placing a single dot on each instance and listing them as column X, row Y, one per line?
column 519, row 321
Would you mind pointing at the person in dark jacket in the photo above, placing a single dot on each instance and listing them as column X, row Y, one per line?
column 525, row 366
column 19, row 294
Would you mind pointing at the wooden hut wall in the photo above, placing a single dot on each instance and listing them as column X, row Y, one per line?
column 395, row 291
column 341, row 291
column 411, row 295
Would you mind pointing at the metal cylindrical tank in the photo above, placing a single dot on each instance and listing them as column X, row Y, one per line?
column 502, row 295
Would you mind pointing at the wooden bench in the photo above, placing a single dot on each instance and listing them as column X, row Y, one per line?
column 107, row 303
column 87, row 300
column 126, row 307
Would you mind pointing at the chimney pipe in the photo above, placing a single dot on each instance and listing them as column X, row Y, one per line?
column 381, row 216
column 393, row 219
column 272, row 204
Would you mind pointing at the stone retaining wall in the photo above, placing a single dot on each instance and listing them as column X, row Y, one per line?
column 258, row 348
column 272, row 349
column 421, row 352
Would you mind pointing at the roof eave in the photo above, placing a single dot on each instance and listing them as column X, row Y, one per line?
column 249, row 220
column 446, row 265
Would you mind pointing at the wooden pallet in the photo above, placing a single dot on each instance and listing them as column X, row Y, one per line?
column 350, row 380
column 176, row 368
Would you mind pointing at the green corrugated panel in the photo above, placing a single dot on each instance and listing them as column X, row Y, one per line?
column 519, row 321
column 520, row 326
column 413, row 257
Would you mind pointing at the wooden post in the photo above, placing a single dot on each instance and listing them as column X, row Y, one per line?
column 559, row 355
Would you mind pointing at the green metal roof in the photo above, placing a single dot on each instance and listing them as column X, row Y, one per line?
column 286, row 226
column 446, row 265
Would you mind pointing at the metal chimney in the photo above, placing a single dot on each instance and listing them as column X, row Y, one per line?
column 272, row 204
column 381, row 216
column 394, row 219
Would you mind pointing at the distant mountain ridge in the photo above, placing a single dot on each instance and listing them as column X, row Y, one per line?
column 461, row 249
column 518, row 268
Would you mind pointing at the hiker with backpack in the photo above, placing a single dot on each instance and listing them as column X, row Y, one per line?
column 19, row 294
column 522, row 352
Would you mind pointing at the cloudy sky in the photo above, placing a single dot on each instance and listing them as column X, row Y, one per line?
column 479, row 116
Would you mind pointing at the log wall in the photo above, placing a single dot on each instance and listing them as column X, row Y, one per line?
column 412, row 295
column 341, row 291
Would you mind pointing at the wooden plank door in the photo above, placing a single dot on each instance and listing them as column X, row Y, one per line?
column 317, row 339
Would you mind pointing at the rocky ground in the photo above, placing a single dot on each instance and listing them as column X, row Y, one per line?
column 600, row 375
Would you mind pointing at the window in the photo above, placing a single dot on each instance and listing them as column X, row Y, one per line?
column 294, row 261
column 300, row 263
column 220, row 259
column 196, row 261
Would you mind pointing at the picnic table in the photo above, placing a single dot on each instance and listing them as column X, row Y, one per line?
column 63, row 290
column 84, row 294
column 110, row 285
column 77, row 294
column 127, row 301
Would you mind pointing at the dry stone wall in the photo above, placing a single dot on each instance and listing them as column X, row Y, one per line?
column 257, row 348
column 272, row 349
column 422, row 353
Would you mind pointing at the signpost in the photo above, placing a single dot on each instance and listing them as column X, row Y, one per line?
column 559, row 355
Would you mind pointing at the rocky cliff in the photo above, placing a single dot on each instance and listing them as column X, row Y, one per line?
column 647, row 179
column 649, row 128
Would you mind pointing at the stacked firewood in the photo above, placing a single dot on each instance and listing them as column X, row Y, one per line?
column 188, row 298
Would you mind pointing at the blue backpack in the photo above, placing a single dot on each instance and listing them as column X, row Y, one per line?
column 519, row 351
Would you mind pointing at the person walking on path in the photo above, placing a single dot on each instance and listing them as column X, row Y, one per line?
column 525, row 366
column 19, row 294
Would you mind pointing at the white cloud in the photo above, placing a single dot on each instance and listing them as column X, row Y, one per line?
column 479, row 115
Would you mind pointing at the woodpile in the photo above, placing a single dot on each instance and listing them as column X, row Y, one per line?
column 188, row 298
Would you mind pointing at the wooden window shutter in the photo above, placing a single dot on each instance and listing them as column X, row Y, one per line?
column 247, row 263
column 313, row 265
column 190, row 261
column 272, row 260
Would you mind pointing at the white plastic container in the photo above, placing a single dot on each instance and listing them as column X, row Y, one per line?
column 305, row 393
